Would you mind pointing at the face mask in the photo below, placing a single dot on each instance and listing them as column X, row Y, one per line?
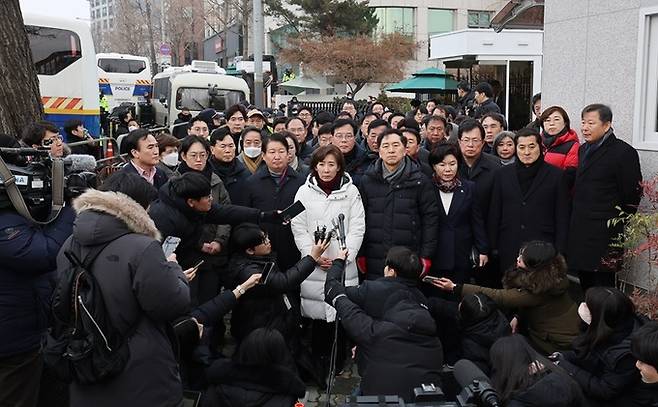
column 584, row 313
column 170, row 160
column 131, row 128
column 252, row 152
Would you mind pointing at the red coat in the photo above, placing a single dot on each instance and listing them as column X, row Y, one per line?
column 563, row 152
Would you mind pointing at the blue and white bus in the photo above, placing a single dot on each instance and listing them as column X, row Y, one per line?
column 123, row 78
column 65, row 61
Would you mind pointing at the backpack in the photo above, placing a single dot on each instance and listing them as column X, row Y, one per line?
column 83, row 346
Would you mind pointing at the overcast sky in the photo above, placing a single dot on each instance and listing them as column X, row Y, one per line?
column 75, row 8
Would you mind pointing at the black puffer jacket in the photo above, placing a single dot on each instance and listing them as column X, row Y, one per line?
column 477, row 338
column 234, row 176
column 174, row 217
column 553, row 389
column 142, row 292
column 404, row 213
column 267, row 305
column 400, row 350
column 234, row 385
column 608, row 373
column 263, row 193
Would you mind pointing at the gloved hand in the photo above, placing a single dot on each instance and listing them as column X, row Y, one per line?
column 361, row 264
column 332, row 285
column 271, row 217
column 427, row 265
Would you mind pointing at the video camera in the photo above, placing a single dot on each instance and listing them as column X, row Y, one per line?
column 32, row 170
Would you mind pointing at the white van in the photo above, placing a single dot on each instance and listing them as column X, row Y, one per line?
column 197, row 87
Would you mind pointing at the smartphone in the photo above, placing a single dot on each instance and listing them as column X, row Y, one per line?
column 430, row 279
column 265, row 274
column 169, row 245
column 196, row 266
column 292, row 211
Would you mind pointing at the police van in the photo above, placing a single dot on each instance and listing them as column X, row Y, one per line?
column 123, row 78
column 198, row 86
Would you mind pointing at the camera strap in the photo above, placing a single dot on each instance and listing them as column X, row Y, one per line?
column 16, row 197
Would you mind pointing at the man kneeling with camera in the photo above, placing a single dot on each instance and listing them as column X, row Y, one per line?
column 399, row 348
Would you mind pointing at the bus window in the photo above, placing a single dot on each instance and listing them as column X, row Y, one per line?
column 53, row 49
column 199, row 99
column 121, row 65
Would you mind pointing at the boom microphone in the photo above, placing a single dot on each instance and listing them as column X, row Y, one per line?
column 468, row 375
column 341, row 231
column 79, row 163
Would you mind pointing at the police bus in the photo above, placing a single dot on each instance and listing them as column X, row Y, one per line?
column 123, row 78
column 64, row 58
column 198, row 86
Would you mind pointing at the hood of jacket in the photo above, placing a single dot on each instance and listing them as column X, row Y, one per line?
column 104, row 216
column 341, row 192
column 490, row 329
column 404, row 310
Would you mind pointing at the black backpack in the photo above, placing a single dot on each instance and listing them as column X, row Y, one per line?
column 83, row 346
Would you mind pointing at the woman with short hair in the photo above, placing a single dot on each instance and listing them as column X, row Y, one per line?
column 560, row 140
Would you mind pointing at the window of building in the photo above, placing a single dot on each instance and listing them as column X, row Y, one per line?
column 104, row 24
column 52, row 49
column 395, row 19
column 645, row 134
column 104, row 11
column 93, row 14
column 109, row 10
column 479, row 19
column 440, row 21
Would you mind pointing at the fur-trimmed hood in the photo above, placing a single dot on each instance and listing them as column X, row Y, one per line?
column 103, row 216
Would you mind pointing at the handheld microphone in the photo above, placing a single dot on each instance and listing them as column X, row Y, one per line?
column 341, row 231
column 79, row 163
column 469, row 376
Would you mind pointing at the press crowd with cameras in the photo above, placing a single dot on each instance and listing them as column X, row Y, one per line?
column 248, row 256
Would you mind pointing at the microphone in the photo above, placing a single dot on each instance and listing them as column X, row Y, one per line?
column 79, row 163
column 341, row 231
column 469, row 376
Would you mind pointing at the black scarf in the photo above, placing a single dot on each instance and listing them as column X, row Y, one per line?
column 549, row 140
column 527, row 173
column 223, row 169
column 183, row 168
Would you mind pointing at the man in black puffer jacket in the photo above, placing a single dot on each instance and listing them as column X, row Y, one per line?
column 401, row 207
column 185, row 204
column 399, row 350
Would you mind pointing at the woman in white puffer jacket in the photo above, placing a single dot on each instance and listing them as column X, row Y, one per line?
column 328, row 192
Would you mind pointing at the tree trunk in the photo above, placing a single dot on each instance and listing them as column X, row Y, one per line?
column 149, row 25
column 20, row 100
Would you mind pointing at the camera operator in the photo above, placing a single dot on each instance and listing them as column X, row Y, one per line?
column 44, row 135
column 399, row 347
column 27, row 256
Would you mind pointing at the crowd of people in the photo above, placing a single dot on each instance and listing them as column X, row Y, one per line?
column 457, row 239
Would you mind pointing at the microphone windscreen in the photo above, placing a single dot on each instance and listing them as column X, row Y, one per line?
column 466, row 371
column 80, row 162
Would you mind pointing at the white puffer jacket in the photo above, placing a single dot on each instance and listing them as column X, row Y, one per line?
column 320, row 210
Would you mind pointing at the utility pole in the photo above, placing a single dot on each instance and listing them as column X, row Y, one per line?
column 258, row 53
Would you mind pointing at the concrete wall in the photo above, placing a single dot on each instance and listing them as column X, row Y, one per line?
column 590, row 55
column 590, row 52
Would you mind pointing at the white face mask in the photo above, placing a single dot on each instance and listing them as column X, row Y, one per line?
column 584, row 313
column 131, row 128
column 171, row 159
column 252, row 152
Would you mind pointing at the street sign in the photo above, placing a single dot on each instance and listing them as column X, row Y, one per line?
column 165, row 49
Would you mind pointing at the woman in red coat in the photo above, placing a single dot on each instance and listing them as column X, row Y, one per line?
column 560, row 140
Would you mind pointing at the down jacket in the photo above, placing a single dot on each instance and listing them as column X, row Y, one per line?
column 562, row 151
column 404, row 213
column 143, row 293
column 320, row 211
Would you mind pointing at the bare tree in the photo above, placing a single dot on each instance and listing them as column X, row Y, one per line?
column 180, row 28
column 20, row 100
column 224, row 14
column 144, row 7
column 128, row 34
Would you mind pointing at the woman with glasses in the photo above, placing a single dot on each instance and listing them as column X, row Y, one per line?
column 194, row 153
column 536, row 291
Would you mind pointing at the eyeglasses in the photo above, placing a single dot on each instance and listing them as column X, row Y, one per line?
column 305, row 114
column 49, row 141
column 198, row 156
column 346, row 136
